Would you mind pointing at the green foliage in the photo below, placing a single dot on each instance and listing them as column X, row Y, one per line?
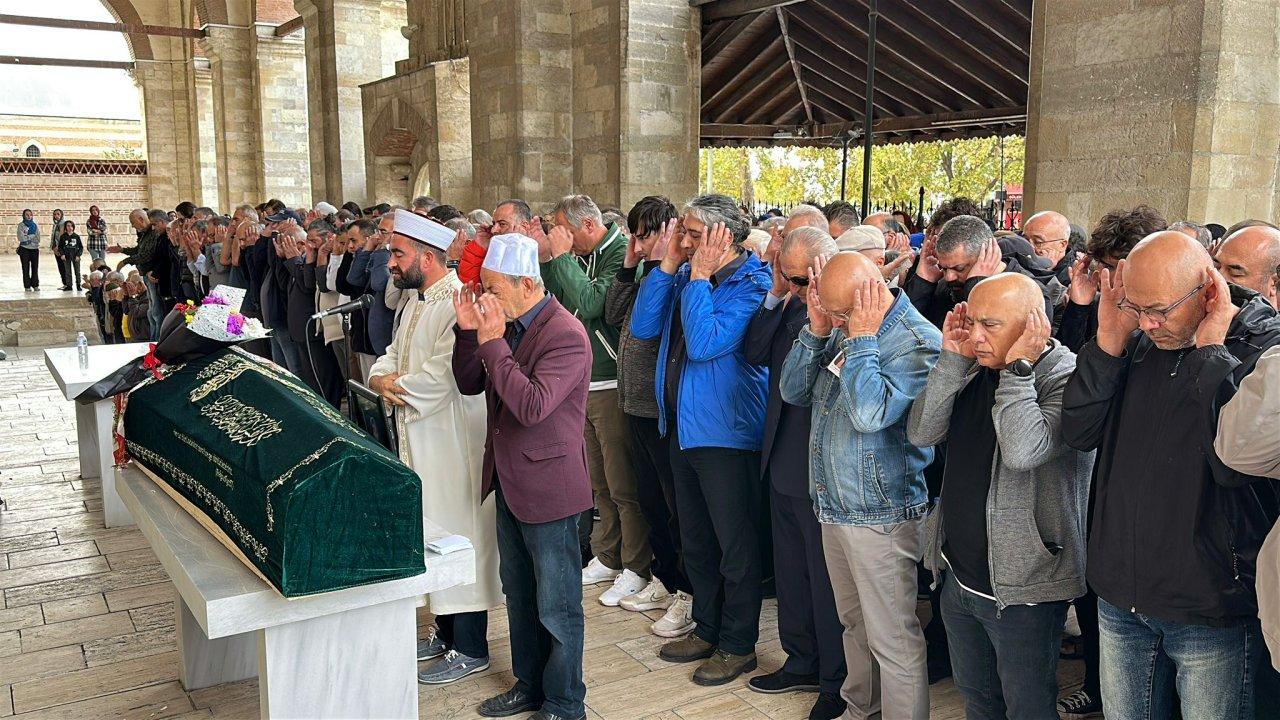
column 945, row 169
column 121, row 151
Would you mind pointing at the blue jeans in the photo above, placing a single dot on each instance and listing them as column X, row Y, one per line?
column 156, row 309
column 1145, row 659
column 285, row 352
column 541, row 570
column 1004, row 663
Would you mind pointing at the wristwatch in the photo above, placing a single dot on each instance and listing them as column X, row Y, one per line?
column 1022, row 367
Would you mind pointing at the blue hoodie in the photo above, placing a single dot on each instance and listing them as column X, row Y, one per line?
column 722, row 397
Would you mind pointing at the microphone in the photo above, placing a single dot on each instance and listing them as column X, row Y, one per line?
column 359, row 303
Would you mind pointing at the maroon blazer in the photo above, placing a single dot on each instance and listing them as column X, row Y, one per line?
column 537, row 402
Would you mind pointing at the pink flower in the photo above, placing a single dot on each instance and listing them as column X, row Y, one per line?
column 215, row 299
column 235, row 324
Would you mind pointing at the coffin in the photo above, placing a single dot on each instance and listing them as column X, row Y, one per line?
column 304, row 498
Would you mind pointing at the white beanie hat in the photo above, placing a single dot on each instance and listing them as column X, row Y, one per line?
column 513, row 254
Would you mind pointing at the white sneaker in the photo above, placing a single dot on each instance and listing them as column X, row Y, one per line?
column 628, row 583
column 654, row 596
column 678, row 620
column 597, row 572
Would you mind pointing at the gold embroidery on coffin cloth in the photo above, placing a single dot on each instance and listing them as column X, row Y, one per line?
column 242, row 424
column 161, row 463
column 274, row 372
column 275, row 484
column 221, row 469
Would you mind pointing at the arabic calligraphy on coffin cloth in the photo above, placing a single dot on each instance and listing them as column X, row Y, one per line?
column 312, row 503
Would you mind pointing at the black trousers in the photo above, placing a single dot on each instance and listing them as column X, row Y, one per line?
column 717, row 499
column 62, row 270
column 320, row 370
column 467, row 632
column 808, row 625
column 1087, row 616
column 29, row 259
column 656, row 493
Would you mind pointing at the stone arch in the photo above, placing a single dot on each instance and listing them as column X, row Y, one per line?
column 139, row 44
column 397, row 154
column 421, row 181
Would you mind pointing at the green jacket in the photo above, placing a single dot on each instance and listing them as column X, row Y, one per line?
column 580, row 282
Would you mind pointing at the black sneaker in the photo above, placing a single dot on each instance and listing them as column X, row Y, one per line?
column 781, row 681
column 1080, row 704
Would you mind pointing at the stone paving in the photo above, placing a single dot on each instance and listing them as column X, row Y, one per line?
column 87, row 626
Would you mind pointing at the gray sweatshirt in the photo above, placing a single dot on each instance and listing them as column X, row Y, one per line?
column 1039, row 487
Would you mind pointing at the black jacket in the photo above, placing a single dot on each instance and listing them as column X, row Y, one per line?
column 935, row 300
column 1175, row 533
column 785, row 453
column 1078, row 325
column 301, row 298
column 637, row 359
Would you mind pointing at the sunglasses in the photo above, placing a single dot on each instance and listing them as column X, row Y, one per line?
column 798, row 280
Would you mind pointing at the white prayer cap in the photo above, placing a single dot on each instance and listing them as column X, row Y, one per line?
column 422, row 229
column 513, row 254
column 861, row 237
column 325, row 208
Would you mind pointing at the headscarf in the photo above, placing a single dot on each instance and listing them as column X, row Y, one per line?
column 30, row 225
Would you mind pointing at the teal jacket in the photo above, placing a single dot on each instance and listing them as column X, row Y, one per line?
column 580, row 282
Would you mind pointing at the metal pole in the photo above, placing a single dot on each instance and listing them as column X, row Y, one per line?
column 920, row 213
column 844, row 162
column 710, row 160
column 1004, row 199
column 872, row 16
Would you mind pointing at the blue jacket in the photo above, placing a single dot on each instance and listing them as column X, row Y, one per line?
column 862, row 468
column 369, row 270
column 722, row 397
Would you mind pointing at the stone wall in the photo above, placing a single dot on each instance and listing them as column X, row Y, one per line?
column 115, row 196
column 1176, row 104
column 282, row 88
column 70, row 137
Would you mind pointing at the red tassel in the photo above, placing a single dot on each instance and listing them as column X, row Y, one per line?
column 152, row 363
column 119, row 453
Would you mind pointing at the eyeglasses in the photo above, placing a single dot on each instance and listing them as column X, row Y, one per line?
column 1040, row 242
column 1159, row 317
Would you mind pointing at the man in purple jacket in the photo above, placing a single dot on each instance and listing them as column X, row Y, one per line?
column 532, row 359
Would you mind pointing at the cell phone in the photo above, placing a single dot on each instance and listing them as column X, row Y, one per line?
column 275, row 236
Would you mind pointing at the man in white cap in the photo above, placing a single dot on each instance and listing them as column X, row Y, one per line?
column 870, row 241
column 532, row 360
column 441, row 434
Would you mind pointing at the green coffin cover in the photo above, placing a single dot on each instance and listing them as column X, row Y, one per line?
column 313, row 503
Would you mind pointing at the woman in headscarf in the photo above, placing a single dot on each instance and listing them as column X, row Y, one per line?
column 97, row 228
column 29, row 251
column 55, row 232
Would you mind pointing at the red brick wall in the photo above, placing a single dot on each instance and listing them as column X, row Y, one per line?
column 276, row 11
column 115, row 196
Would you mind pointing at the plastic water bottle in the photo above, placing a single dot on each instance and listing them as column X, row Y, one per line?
column 82, row 346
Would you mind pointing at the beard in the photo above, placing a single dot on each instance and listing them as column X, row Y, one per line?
column 410, row 279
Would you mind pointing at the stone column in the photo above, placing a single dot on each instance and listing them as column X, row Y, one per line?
column 1175, row 104
column 205, row 133
column 453, row 134
column 169, row 115
column 282, row 88
column 235, row 113
column 344, row 49
column 636, row 80
column 521, row 113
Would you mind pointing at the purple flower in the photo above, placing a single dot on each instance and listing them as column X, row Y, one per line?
column 215, row 299
column 235, row 324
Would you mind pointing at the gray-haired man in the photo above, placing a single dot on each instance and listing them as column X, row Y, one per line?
column 579, row 261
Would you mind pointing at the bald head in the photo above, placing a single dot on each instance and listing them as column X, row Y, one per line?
column 998, row 308
column 1250, row 258
column 1162, row 270
column 805, row 216
column 843, row 274
column 138, row 219
column 1048, row 232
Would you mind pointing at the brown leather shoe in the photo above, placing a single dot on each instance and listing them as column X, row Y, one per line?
column 687, row 649
column 723, row 667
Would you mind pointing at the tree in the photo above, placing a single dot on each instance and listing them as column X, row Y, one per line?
column 787, row 175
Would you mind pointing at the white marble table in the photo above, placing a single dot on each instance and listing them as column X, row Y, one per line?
column 93, row 420
column 344, row 654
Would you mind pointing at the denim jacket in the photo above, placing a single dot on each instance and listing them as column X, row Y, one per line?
column 862, row 469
